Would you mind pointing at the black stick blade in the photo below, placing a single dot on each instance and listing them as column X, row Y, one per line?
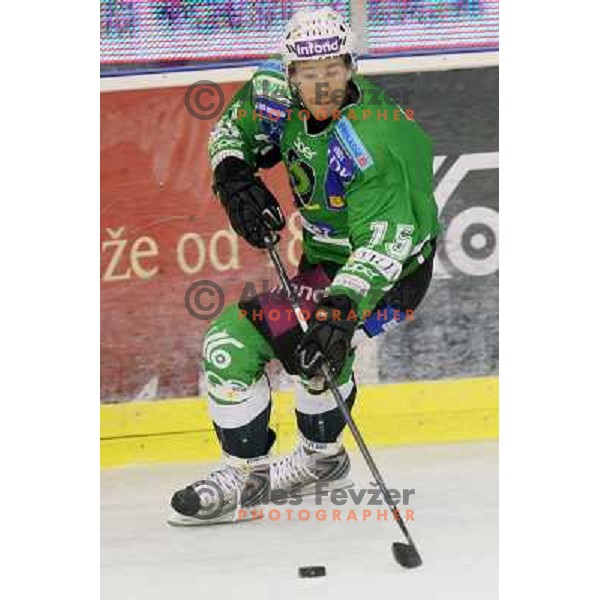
column 406, row 555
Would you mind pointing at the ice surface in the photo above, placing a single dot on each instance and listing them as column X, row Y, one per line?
column 455, row 527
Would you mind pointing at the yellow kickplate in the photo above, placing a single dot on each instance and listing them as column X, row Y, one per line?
column 179, row 430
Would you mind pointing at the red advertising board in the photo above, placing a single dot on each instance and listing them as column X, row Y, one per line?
column 162, row 230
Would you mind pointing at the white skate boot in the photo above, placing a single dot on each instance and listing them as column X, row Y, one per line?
column 218, row 498
column 311, row 463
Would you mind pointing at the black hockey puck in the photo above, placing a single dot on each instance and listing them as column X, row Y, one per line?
column 318, row 571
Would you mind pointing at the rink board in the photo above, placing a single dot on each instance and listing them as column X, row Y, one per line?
column 180, row 430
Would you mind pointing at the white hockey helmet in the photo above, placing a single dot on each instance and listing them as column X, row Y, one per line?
column 317, row 34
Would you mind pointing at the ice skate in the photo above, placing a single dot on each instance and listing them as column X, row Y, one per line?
column 219, row 497
column 312, row 462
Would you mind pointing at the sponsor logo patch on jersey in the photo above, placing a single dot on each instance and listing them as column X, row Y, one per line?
column 302, row 179
column 353, row 144
column 271, row 65
column 304, row 150
column 387, row 266
column 339, row 160
column 336, row 201
column 353, row 282
column 267, row 87
column 272, row 118
column 270, row 110
column 341, row 170
column 316, row 228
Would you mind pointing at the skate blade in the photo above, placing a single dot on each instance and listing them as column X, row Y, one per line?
column 176, row 520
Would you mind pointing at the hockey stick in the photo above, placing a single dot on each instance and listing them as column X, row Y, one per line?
column 405, row 554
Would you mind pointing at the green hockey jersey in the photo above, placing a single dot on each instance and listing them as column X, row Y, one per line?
column 363, row 186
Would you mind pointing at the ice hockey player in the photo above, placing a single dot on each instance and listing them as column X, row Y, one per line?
column 361, row 174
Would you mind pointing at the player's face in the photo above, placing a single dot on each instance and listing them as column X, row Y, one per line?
column 321, row 84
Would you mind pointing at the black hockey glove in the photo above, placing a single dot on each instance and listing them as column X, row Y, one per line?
column 329, row 336
column 252, row 209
